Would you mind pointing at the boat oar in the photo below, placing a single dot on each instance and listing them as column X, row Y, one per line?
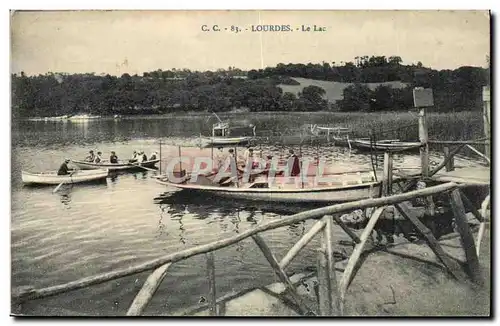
column 142, row 167
column 60, row 185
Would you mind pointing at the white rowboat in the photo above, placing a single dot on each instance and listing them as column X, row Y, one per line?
column 123, row 165
column 51, row 178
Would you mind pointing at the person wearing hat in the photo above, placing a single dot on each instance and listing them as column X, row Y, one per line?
column 134, row 157
column 63, row 169
column 153, row 156
column 91, row 156
column 113, row 158
column 98, row 158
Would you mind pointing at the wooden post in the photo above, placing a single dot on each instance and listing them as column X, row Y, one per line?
column 465, row 234
column 486, row 119
column 324, row 293
column 424, row 138
column 450, row 165
column 212, row 299
column 346, row 277
column 180, row 163
column 387, row 177
column 303, row 308
column 333, row 298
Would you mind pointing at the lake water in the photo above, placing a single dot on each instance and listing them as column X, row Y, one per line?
column 85, row 230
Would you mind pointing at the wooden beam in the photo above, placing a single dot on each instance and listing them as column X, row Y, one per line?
column 183, row 254
column 452, row 266
column 303, row 241
column 486, row 117
column 327, row 242
column 479, row 153
column 212, row 298
column 303, row 308
column 147, row 291
column 346, row 229
column 346, row 277
column 471, row 207
column 465, row 234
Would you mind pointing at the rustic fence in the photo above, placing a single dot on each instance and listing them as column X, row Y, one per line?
column 331, row 292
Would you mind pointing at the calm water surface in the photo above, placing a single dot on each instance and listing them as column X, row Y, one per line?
column 89, row 229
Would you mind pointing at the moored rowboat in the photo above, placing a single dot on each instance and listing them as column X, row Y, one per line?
column 114, row 166
column 51, row 178
column 261, row 190
column 382, row 145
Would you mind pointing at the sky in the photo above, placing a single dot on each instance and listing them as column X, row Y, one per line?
column 117, row 42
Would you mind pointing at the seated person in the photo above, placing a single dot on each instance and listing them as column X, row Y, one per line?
column 63, row 169
column 113, row 158
column 153, row 156
column 91, row 157
column 98, row 158
column 134, row 157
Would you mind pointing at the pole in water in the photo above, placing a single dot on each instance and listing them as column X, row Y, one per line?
column 160, row 156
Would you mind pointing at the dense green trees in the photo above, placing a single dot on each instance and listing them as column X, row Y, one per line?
column 256, row 90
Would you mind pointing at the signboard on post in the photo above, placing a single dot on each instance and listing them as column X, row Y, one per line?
column 423, row 97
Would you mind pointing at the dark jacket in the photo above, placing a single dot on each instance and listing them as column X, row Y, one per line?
column 113, row 159
column 295, row 166
column 144, row 157
column 63, row 170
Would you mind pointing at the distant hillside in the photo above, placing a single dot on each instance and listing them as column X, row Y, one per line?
column 334, row 90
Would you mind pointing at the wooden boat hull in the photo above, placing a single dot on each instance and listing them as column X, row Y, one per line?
column 384, row 146
column 122, row 166
column 51, row 178
column 291, row 195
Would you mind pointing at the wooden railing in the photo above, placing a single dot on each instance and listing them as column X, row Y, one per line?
column 331, row 293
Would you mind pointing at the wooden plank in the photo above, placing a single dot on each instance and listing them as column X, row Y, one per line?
column 327, row 241
column 212, row 298
column 486, row 118
column 183, row 254
column 450, row 166
column 457, row 142
column 303, row 308
column 324, row 297
column 303, row 241
column 147, row 291
column 346, row 277
column 452, row 266
column 346, row 229
column 465, row 234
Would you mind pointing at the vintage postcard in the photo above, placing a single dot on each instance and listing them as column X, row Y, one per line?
column 250, row 163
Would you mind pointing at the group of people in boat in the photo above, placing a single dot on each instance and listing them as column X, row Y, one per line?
column 137, row 157
column 248, row 158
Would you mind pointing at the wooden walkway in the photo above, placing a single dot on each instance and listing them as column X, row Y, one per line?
column 474, row 176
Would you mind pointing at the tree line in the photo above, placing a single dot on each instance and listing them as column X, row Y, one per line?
column 157, row 92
